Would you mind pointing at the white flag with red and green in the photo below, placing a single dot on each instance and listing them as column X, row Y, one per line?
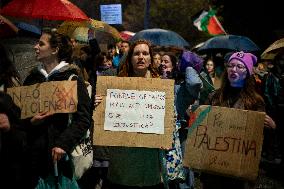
column 208, row 22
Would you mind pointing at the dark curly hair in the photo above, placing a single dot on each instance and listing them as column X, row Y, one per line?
column 7, row 69
column 174, row 61
column 60, row 41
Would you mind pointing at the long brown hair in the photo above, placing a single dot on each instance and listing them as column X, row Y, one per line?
column 126, row 69
column 248, row 95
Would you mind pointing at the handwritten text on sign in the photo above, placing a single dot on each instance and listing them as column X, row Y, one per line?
column 55, row 97
column 227, row 141
column 135, row 111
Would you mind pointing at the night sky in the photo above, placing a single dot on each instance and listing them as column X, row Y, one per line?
column 259, row 20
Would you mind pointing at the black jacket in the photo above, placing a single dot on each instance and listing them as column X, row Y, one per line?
column 54, row 131
column 13, row 146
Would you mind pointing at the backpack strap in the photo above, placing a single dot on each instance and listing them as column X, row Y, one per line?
column 70, row 114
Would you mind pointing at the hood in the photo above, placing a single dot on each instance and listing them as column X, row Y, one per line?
column 60, row 68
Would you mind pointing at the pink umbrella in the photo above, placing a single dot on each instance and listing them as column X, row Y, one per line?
column 44, row 9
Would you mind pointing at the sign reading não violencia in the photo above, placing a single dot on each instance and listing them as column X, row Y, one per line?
column 54, row 97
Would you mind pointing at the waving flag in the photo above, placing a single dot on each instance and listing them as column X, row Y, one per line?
column 208, row 22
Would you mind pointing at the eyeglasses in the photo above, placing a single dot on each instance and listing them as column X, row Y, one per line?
column 238, row 66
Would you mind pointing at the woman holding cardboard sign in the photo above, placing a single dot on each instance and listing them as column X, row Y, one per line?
column 135, row 167
column 237, row 91
column 141, row 166
column 51, row 137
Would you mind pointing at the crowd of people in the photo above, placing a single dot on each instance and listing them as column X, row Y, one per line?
column 30, row 147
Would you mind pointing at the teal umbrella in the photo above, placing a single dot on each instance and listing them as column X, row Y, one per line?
column 161, row 37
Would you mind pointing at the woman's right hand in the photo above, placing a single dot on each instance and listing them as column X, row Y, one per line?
column 40, row 117
column 269, row 122
column 4, row 122
column 98, row 100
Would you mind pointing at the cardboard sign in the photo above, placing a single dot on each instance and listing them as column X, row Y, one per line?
column 135, row 112
column 225, row 141
column 54, row 96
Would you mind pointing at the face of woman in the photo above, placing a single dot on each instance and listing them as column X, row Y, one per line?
column 166, row 64
column 237, row 73
column 157, row 60
column 141, row 58
column 210, row 66
column 107, row 62
column 43, row 49
column 111, row 52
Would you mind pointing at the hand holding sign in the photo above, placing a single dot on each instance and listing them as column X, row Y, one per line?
column 40, row 117
column 98, row 100
column 268, row 122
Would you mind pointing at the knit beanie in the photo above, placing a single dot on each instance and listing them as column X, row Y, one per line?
column 247, row 59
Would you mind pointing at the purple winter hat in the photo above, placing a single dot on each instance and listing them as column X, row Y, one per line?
column 247, row 59
column 190, row 59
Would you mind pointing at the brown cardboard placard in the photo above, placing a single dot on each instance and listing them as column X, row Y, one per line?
column 53, row 96
column 225, row 141
column 134, row 139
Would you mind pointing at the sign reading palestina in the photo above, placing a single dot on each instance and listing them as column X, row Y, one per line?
column 53, row 97
column 225, row 141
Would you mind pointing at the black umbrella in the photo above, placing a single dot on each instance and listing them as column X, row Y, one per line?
column 228, row 43
column 161, row 37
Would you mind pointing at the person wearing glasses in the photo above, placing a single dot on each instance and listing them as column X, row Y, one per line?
column 237, row 91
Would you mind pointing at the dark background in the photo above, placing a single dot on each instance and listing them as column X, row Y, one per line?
column 260, row 20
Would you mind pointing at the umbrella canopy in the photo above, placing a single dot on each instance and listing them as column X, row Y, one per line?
column 103, row 32
column 126, row 35
column 197, row 46
column 44, row 9
column 228, row 43
column 161, row 37
column 273, row 50
column 7, row 28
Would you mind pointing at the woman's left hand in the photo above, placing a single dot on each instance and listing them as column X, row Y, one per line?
column 57, row 153
column 268, row 122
